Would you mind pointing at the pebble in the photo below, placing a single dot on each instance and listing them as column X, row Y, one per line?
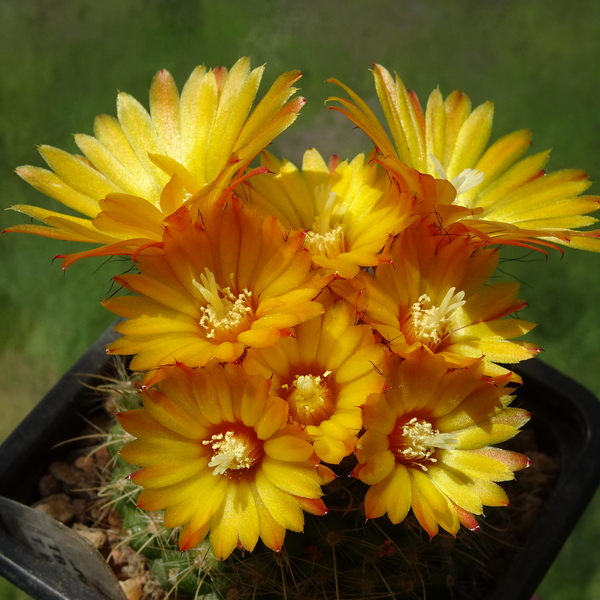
column 133, row 588
column 57, row 506
column 86, row 463
column 96, row 536
column 81, row 508
column 65, row 473
column 47, row 485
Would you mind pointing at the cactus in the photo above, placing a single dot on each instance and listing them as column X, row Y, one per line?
column 346, row 557
column 322, row 349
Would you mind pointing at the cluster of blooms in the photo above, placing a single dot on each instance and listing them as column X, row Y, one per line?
column 287, row 318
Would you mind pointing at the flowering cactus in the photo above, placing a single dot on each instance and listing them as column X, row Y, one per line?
column 295, row 327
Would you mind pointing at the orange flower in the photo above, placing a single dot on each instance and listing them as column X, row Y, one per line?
column 434, row 294
column 427, row 444
column 203, row 139
column 219, row 456
column 325, row 371
column 214, row 288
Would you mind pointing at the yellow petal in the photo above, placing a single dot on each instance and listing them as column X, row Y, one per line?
column 473, row 464
column 293, row 478
column 271, row 533
column 224, row 531
column 164, row 109
column 478, row 437
column 281, row 506
column 377, row 468
column 164, row 474
column 77, row 173
column 420, row 505
column 397, row 494
column 289, row 448
column 471, row 140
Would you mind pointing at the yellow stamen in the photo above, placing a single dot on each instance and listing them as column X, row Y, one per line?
column 430, row 322
column 310, row 401
column 231, row 452
column 224, row 311
column 418, row 441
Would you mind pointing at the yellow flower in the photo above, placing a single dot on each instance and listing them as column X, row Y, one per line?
column 213, row 288
column 512, row 198
column 434, row 294
column 348, row 210
column 204, row 138
column 427, row 444
column 325, row 371
column 218, row 455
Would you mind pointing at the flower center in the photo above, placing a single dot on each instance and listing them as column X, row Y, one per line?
column 310, row 399
column 325, row 239
column 417, row 440
column 224, row 311
column 231, row 451
column 463, row 182
column 430, row 322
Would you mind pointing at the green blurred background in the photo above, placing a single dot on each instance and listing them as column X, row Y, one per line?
column 62, row 62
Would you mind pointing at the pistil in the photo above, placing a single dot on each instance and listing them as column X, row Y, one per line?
column 463, row 182
column 310, row 399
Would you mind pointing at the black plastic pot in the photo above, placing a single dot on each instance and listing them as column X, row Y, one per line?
column 40, row 556
column 566, row 420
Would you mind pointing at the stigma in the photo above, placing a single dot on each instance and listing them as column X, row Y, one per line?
column 463, row 182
